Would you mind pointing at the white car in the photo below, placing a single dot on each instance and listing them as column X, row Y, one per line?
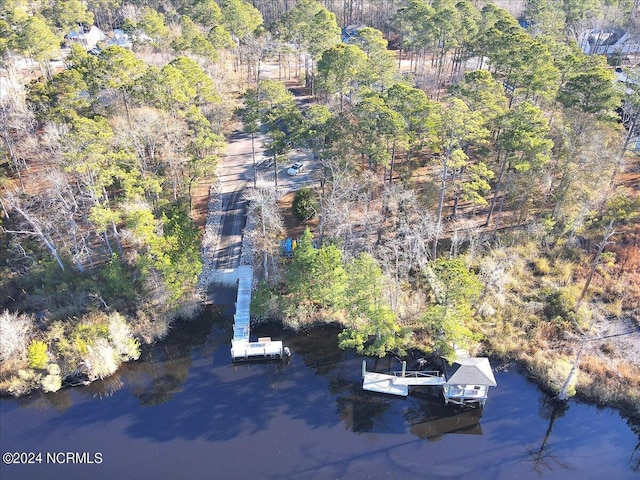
column 295, row 168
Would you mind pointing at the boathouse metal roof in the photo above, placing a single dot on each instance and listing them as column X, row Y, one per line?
column 470, row 371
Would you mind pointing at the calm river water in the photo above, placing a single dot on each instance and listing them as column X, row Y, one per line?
column 184, row 412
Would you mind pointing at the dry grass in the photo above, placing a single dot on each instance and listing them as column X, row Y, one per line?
column 610, row 383
column 200, row 202
column 520, row 331
column 541, row 266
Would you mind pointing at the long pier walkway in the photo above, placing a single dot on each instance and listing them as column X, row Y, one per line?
column 222, row 251
column 242, row 348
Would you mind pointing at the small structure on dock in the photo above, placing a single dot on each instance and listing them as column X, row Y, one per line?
column 263, row 349
column 468, row 380
column 465, row 382
column 242, row 349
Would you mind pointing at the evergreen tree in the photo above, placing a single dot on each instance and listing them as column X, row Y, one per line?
column 372, row 327
column 454, row 291
column 37, row 40
column 240, row 18
column 339, row 68
column 316, row 276
column 590, row 91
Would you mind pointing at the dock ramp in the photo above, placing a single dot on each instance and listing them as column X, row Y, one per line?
column 399, row 382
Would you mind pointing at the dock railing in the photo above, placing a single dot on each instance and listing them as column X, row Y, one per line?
column 417, row 373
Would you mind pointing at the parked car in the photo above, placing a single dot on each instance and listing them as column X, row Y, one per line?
column 295, row 169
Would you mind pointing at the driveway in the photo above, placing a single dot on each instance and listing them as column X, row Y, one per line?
column 309, row 176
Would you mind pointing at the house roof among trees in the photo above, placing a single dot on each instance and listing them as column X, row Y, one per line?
column 87, row 37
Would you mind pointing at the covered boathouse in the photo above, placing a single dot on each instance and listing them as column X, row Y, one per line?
column 465, row 382
column 468, row 380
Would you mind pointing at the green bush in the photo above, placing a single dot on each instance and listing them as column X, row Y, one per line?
column 53, row 381
column 559, row 305
column 541, row 266
column 88, row 332
column 264, row 302
column 115, row 282
column 37, row 354
column 305, row 204
column 176, row 254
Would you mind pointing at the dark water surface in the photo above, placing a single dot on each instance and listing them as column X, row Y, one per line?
column 184, row 412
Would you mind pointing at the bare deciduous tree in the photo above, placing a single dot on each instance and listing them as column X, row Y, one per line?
column 16, row 330
column 35, row 225
column 339, row 190
column 263, row 204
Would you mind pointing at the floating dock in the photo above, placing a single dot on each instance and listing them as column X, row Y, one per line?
column 242, row 349
column 381, row 383
column 399, row 382
column 466, row 382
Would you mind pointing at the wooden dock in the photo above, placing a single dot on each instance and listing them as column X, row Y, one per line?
column 399, row 382
column 381, row 383
column 242, row 319
column 242, row 349
column 466, row 382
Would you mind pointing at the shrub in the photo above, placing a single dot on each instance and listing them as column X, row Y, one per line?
column 541, row 266
column 37, row 354
column 559, row 305
column 305, row 204
column 126, row 347
column 150, row 326
column 264, row 303
column 608, row 349
column 100, row 360
column 563, row 271
column 115, row 281
column 53, row 381
column 23, row 382
column 89, row 331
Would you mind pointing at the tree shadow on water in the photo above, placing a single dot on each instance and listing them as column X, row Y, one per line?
column 542, row 457
column 221, row 401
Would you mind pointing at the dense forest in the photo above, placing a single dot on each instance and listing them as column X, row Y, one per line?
column 476, row 191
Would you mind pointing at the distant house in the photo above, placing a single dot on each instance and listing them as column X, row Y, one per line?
column 88, row 38
column 608, row 42
column 468, row 380
column 120, row 38
column 350, row 33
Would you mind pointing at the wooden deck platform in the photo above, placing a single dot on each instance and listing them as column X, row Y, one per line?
column 381, row 383
column 397, row 384
column 418, row 379
column 241, row 319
